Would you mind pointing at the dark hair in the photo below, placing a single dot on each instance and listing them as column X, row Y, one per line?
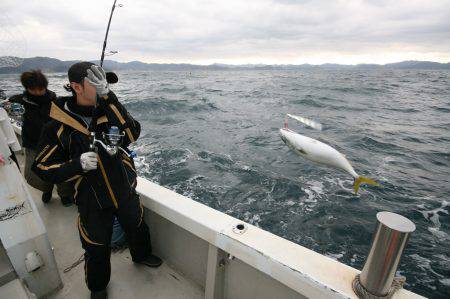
column 33, row 79
column 78, row 71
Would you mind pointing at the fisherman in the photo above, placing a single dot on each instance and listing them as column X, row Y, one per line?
column 36, row 100
column 105, row 179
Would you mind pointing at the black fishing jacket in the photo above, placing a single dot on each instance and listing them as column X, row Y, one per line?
column 67, row 136
column 36, row 115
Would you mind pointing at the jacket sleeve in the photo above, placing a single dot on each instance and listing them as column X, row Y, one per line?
column 18, row 98
column 51, row 163
column 52, row 95
column 119, row 116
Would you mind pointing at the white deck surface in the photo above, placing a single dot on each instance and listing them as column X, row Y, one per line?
column 127, row 279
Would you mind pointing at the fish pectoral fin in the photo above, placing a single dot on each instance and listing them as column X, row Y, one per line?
column 301, row 151
column 359, row 180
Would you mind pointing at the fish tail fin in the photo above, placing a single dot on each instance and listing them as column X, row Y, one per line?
column 359, row 180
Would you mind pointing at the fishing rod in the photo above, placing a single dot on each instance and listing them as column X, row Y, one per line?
column 107, row 31
column 111, row 77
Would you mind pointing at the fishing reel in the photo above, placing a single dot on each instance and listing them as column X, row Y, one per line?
column 17, row 110
column 112, row 141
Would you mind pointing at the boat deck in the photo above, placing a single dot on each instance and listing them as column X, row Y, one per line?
column 127, row 279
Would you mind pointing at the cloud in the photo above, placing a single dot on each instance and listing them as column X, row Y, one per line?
column 235, row 31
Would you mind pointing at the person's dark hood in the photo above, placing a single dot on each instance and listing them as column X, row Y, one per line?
column 43, row 99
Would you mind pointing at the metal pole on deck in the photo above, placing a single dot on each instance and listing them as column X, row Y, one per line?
column 377, row 276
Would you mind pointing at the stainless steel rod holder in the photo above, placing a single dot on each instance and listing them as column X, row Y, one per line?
column 390, row 238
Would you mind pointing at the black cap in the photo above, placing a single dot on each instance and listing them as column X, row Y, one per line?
column 78, row 71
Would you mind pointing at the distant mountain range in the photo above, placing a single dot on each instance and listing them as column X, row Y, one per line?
column 47, row 64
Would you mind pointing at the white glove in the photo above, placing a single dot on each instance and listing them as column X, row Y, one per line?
column 88, row 161
column 96, row 77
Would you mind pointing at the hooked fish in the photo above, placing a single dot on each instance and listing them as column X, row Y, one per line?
column 322, row 153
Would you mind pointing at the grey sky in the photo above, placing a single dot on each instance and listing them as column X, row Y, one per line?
column 231, row 31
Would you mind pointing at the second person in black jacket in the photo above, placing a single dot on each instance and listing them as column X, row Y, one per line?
column 36, row 100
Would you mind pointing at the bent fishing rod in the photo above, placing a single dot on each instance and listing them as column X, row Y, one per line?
column 107, row 31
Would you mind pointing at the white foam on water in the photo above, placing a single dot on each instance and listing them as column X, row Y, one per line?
column 442, row 236
column 340, row 183
column 336, row 256
column 433, row 216
column 290, row 203
column 445, row 281
column 143, row 148
column 311, row 196
column 189, row 186
column 314, row 190
column 251, row 200
column 387, row 160
column 421, row 206
column 190, row 153
column 251, row 218
column 424, row 264
column 142, row 166
column 246, row 167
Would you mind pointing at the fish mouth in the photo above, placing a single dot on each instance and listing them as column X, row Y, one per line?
column 282, row 135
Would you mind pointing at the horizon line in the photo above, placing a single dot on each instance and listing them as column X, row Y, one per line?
column 235, row 64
